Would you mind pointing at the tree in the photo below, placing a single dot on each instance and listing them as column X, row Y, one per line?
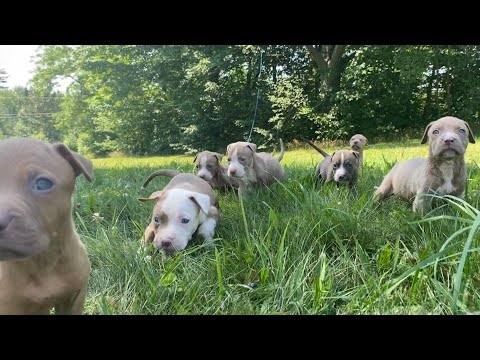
column 3, row 78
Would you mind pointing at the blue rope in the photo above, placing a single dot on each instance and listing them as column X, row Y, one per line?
column 258, row 93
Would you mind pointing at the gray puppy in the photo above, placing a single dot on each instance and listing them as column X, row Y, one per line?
column 444, row 171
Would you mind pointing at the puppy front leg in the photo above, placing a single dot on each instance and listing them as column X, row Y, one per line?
column 421, row 202
column 75, row 304
column 207, row 228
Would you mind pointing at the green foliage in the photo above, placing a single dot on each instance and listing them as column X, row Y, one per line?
column 150, row 99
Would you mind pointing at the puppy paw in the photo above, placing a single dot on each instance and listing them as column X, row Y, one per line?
column 207, row 230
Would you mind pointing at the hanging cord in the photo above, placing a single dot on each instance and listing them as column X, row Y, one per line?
column 258, row 93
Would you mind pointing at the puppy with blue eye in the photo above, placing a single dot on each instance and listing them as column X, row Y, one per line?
column 444, row 172
column 341, row 167
column 43, row 262
column 185, row 204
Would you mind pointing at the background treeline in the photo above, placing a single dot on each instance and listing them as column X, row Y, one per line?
column 144, row 100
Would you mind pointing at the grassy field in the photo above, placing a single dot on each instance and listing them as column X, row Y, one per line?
column 287, row 249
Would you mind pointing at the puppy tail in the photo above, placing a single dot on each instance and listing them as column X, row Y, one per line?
column 282, row 151
column 162, row 172
column 325, row 154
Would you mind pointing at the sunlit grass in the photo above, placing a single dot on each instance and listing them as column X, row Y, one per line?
column 288, row 249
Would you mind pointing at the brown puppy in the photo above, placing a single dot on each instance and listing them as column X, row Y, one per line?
column 342, row 167
column 186, row 203
column 444, row 171
column 251, row 168
column 208, row 166
column 43, row 263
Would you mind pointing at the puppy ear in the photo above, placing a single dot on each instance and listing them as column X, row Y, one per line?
column 202, row 200
column 357, row 155
column 153, row 196
column 425, row 134
column 80, row 164
column 331, row 157
column 470, row 133
column 366, row 141
column 149, row 234
column 252, row 147
column 228, row 147
column 194, row 160
column 218, row 156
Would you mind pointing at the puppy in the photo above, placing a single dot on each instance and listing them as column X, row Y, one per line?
column 43, row 263
column 251, row 168
column 444, row 171
column 186, row 203
column 208, row 166
column 342, row 167
column 357, row 143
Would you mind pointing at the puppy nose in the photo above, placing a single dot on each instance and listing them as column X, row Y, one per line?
column 166, row 244
column 342, row 177
column 233, row 171
column 202, row 177
column 5, row 219
column 449, row 140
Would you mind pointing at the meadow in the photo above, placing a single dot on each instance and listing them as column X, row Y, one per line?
column 291, row 248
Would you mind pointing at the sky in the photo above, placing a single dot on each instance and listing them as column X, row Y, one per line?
column 17, row 61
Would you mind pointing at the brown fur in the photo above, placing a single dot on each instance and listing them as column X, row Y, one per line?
column 212, row 161
column 326, row 168
column 444, row 172
column 260, row 168
column 44, row 264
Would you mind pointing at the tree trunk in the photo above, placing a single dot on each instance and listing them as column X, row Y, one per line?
column 330, row 63
column 428, row 102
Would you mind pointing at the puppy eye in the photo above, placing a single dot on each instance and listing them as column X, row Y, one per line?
column 42, row 184
column 349, row 165
column 228, row 159
column 185, row 221
column 156, row 219
column 197, row 166
column 335, row 166
column 209, row 166
column 436, row 132
column 461, row 131
column 242, row 158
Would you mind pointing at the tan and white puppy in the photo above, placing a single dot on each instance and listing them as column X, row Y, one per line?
column 341, row 167
column 43, row 263
column 252, row 168
column 208, row 166
column 185, row 204
column 444, row 171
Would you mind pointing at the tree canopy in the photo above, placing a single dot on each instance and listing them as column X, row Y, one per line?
column 158, row 99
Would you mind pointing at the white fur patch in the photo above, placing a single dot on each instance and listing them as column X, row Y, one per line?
column 177, row 205
column 341, row 169
column 207, row 229
column 235, row 166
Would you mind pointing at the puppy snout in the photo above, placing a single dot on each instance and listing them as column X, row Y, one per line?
column 449, row 140
column 5, row 219
column 166, row 244
column 342, row 177
column 233, row 171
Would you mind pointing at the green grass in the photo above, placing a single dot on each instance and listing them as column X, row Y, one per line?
column 286, row 249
